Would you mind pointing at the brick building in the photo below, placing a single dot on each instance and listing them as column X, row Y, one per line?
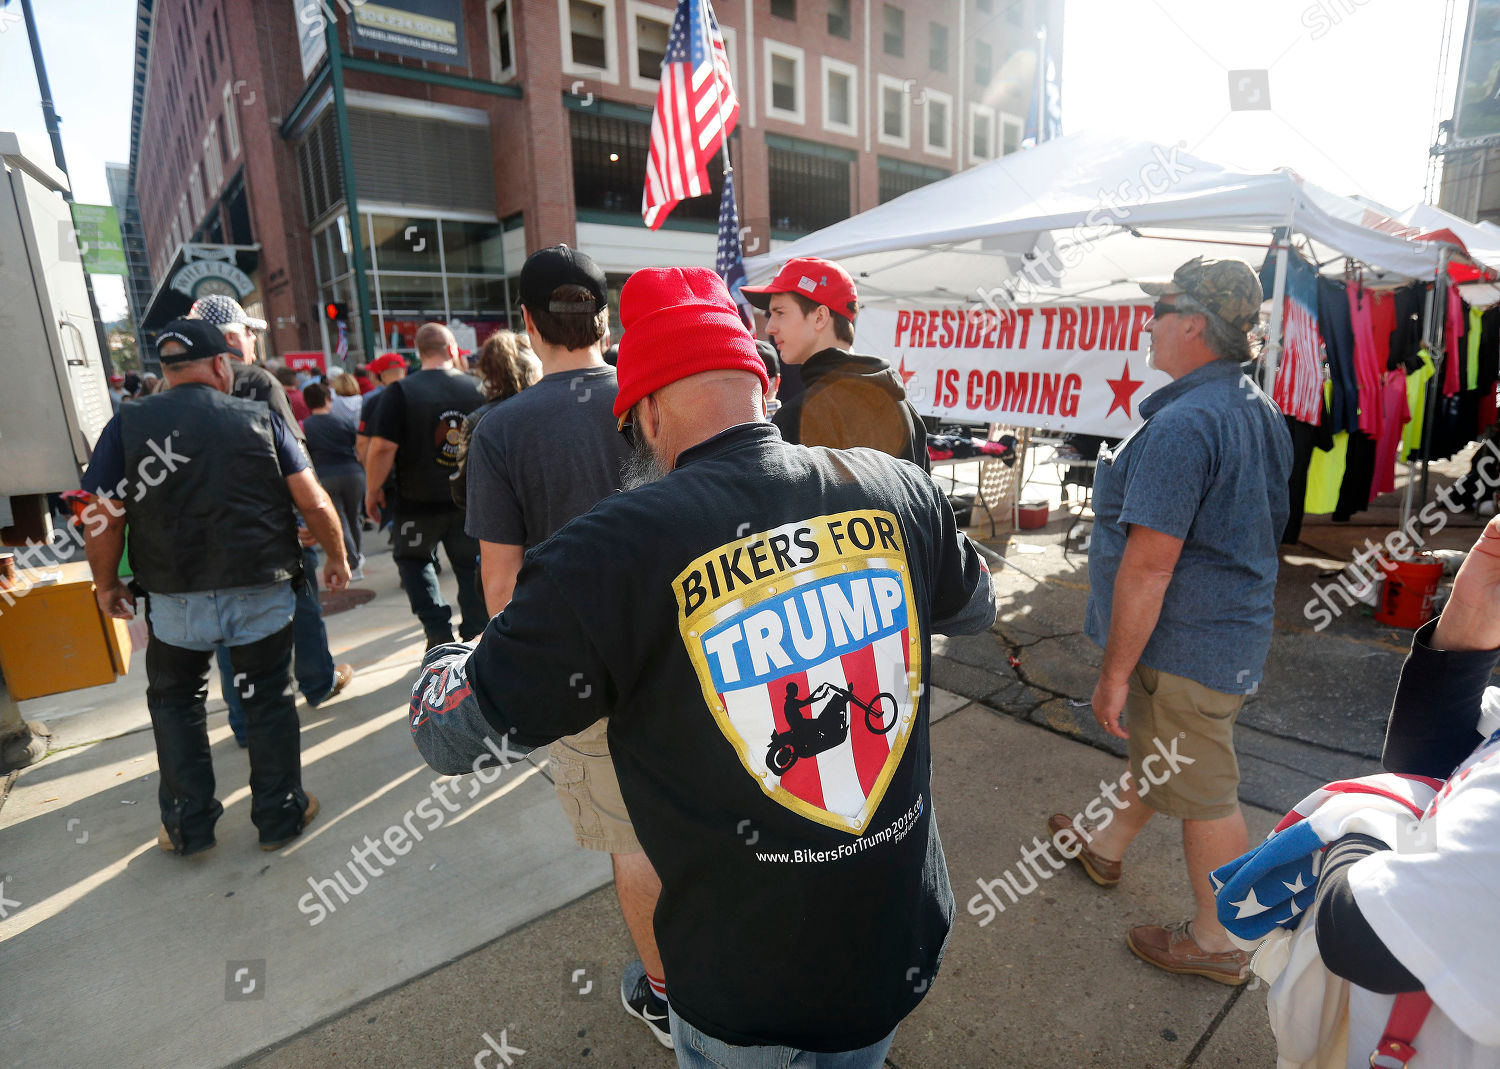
column 504, row 126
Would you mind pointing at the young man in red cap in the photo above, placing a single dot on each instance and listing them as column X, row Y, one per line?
column 847, row 400
column 805, row 901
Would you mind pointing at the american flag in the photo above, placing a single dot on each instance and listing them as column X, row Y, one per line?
column 695, row 110
column 729, row 261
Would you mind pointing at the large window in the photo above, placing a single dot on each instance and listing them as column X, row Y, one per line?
column 939, row 138
column 589, row 43
column 420, row 268
column 1011, row 131
column 649, row 28
column 784, row 98
column 984, row 63
column 895, row 112
column 937, row 46
column 839, row 82
column 809, row 189
column 502, row 41
column 981, row 133
column 609, row 158
column 894, row 21
column 839, row 23
column 784, row 9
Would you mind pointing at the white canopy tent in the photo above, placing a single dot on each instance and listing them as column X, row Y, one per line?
column 1086, row 199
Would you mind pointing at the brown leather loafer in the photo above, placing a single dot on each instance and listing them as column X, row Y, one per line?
column 1101, row 870
column 1174, row 949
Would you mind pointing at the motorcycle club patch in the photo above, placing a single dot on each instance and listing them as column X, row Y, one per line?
column 807, row 649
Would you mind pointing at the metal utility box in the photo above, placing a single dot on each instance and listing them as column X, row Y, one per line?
column 54, row 398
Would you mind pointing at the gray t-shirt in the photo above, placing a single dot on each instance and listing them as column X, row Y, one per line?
column 1210, row 466
column 544, row 456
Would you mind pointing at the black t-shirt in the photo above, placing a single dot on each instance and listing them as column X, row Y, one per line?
column 423, row 414
column 330, row 442
column 805, row 899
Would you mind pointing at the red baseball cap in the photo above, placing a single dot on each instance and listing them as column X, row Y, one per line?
column 679, row 321
column 818, row 280
column 387, row 362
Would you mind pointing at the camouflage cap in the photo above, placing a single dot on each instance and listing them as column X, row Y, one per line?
column 1230, row 289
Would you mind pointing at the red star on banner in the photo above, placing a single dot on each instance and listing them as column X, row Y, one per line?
column 1124, row 388
column 906, row 376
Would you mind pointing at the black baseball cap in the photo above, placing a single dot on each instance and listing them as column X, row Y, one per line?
column 198, row 337
column 547, row 269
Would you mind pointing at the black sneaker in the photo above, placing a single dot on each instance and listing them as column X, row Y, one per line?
column 640, row 1001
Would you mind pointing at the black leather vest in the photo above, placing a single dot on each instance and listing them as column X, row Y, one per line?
column 207, row 505
column 437, row 400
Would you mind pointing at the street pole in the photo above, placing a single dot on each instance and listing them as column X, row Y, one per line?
column 351, row 202
column 49, row 116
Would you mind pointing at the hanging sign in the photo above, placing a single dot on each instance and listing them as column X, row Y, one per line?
column 1075, row 367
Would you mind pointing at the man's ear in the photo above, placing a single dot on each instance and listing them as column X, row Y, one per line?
column 652, row 412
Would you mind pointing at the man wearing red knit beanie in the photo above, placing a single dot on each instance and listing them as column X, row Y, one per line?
column 713, row 613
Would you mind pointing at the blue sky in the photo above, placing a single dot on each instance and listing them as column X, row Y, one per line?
column 1351, row 85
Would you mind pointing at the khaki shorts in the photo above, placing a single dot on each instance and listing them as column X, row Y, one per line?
column 589, row 792
column 1181, row 747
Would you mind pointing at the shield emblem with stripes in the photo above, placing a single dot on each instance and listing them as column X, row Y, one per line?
column 808, row 650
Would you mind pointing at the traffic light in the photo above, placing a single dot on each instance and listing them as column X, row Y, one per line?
column 333, row 311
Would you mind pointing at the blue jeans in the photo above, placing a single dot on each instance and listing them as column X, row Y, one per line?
column 254, row 625
column 418, row 536
column 311, row 661
column 698, row 1051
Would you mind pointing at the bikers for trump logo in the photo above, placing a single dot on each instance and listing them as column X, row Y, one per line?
column 809, row 658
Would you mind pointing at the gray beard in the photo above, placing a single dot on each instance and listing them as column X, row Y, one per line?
column 642, row 466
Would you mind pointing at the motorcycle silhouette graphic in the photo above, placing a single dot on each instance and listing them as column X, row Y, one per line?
column 808, row 736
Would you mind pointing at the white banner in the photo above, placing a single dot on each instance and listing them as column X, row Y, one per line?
column 1078, row 367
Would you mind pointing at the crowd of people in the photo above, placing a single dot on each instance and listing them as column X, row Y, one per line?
column 758, row 651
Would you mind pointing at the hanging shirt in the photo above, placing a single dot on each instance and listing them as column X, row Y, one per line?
column 1416, row 404
column 1452, row 344
column 1338, row 338
column 1471, row 348
column 1394, row 415
column 1299, row 372
column 1368, row 365
column 1325, row 472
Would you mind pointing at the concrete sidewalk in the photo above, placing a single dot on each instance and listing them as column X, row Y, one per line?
column 498, row 926
column 1049, row 982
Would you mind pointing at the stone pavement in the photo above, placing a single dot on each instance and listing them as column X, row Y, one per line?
column 495, row 925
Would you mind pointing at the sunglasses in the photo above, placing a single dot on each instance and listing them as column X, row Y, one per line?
column 1162, row 308
column 627, row 429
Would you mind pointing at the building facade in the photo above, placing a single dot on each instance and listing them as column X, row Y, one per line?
column 138, row 267
column 486, row 129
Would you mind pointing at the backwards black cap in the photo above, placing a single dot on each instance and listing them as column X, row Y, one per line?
column 547, row 269
column 198, row 338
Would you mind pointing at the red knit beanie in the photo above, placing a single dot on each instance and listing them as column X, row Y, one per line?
column 679, row 321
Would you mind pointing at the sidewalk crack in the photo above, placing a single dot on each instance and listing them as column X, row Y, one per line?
column 1213, row 1026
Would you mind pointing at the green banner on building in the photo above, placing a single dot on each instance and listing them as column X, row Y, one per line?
column 98, row 233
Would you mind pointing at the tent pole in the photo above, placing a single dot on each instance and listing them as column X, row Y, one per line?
column 1271, row 356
